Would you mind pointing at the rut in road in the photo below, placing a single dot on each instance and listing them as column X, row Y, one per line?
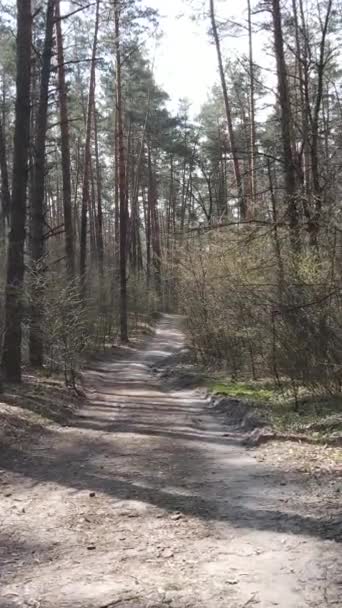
column 143, row 502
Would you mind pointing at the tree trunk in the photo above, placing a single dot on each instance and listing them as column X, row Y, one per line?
column 286, row 128
column 116, row 200
column 155, row 229
column 65, row 149
column 134, row 235
column 99, row 222
column 92, row 218
column 87, row 152
column 37, row 200
column 317, row 190
column 5, row 191
column 303, row 58
column 147, row 218
column 276, row 239
column 11, row 355
column 253, row 185
column 236, row 163
column 122, row 182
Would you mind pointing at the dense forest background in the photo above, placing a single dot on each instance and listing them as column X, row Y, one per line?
column 112, row 208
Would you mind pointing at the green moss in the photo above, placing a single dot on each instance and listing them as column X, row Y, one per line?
column 255, row 391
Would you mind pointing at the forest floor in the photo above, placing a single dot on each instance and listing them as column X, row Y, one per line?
column 144, row 501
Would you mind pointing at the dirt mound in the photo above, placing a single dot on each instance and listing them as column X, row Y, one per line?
column 34, row 407
column 239, row 413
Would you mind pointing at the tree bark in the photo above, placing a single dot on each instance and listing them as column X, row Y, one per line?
column 276, row 239
column 37, row 199
column 147, row 221
column 317, row 190
column 5, row 191
column 99, row 219
column 65, row 150
column 304, row 75
column 253, row 185
column 92, row 218
column 11, row 355
column 286, row 128
column 122, row 181
column 87, row 159
column 116, row 200
column 155, row 228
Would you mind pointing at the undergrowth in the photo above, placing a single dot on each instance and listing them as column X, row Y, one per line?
column 314, row 415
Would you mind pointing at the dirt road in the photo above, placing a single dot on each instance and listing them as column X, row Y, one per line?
column 143, row 502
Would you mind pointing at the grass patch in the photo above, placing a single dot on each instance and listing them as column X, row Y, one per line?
column 319, row 417
column 243, row 390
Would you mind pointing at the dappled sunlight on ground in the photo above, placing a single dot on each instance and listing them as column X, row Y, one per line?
column 145, row 501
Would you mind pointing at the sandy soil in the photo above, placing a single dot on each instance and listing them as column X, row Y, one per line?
column 145, row 501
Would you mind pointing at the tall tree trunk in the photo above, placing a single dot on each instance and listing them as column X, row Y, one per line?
column 170, row 226
column 76, row 179
column 276, row 239
column 65, row 149
column 92, row 218
column 231, row 133
column 129, row 194
column 286, row 128
column 122, row 181
column 147, row 218
column 317, row 190
column 99, row 222
column 11, row 355
column 38, row 194
column 155, row 229
column 134, row 234
column 300, row 63
column 253, row 185
column 116, row 200
column 87, row 160
column 5, row 191
column 304, row 69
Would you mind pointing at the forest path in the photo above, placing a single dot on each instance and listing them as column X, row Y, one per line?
column 143, row 502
